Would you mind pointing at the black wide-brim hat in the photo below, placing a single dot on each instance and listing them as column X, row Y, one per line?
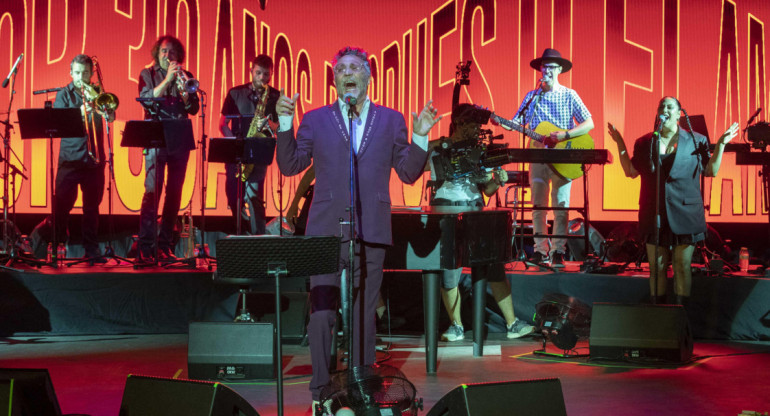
column 551, row 55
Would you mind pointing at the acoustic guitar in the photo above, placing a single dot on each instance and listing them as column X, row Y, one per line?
column 539, row 134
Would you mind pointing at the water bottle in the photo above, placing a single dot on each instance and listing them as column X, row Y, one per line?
column 62, row 251
column 49, row 257
column 743, row 259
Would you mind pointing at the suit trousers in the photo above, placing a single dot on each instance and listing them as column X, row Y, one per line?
column 252, row 192
column 91, row 182
column 324, row 302
column 177, row 167
column 540, row 176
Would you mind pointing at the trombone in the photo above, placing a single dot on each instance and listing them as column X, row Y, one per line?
column 102, row 102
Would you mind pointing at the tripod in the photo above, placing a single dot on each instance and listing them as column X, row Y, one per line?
column 9, row 244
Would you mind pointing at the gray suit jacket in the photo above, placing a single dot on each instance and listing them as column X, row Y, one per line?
column 322, row 139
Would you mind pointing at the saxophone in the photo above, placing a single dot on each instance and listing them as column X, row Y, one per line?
column 255, row 130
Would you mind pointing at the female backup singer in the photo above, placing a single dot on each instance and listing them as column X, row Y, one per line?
column 684, row 157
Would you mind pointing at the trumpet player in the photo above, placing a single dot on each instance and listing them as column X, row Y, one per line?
column 81, row 159
column 259, row 98
column 165, row 79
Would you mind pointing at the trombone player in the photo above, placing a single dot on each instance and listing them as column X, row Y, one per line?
column 81, row 159
column 166, row 79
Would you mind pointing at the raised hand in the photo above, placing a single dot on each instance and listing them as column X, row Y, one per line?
column 729, row 134
column 422, row 124
column 285, row 105
column 614, row 133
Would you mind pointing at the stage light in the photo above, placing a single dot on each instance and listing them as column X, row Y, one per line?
column 562, row 320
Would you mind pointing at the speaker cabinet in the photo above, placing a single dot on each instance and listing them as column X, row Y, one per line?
column 231, row 351
column 27, row 392
column 513, row 398
column 295, row 308
column 154, row 396
column 628, row 332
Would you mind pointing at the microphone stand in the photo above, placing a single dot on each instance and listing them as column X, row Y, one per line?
column 346, row 282
column 521, row 114
column 655, row 152
column 9, row 247
column 109, row 251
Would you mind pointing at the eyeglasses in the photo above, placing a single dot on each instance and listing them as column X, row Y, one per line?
column 550, row 67
column 354, row 68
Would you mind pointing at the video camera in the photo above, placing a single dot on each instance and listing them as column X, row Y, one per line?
column 466, row 151
column 759, row 135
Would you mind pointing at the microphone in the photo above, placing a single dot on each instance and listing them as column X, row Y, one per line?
column 47, row 90
column 350, row 99
column 15, row 65
column 753, row 116
column 663, row 118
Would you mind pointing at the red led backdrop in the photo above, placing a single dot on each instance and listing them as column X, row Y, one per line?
column 711, row 54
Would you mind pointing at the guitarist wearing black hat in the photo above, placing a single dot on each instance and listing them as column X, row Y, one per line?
column 567, row 123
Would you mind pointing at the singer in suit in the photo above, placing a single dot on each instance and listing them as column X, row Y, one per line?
column 381, row 138
column 684, row 157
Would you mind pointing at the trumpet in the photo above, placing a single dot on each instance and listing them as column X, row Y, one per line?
column 93, row 96
column 185, row 83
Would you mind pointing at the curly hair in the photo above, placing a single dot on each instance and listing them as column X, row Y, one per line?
column 175, row 44
column 355, row 51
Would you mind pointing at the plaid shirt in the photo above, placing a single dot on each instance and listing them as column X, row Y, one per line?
column 561, row 106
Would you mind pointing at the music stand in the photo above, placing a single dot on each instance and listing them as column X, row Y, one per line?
column 50, row 123
column 147, row 134
column 249, row 150
column 246, row 260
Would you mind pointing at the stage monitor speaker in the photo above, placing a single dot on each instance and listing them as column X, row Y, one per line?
column 513, row 398
column 640, row 332
column 27, row 392
column 231, row 351
column 155, row 396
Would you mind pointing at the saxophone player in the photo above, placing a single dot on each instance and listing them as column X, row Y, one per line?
column 81, row 159
column 259, row 98
column 163, row 79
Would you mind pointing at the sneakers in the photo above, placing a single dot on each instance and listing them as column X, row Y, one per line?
column 519, row 329
column 166, row 255
column 557, row 260
column 454, row 333
column 537, row 259
column 316, row 409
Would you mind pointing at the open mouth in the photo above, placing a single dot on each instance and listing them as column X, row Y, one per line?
column 350, row 86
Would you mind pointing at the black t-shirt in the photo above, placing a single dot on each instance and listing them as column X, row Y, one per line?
column 242, row 100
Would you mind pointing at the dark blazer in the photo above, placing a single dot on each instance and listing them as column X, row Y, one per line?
column 322, row 139
column 683, row 202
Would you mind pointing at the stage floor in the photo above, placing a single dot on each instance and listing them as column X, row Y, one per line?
column 89, row 374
